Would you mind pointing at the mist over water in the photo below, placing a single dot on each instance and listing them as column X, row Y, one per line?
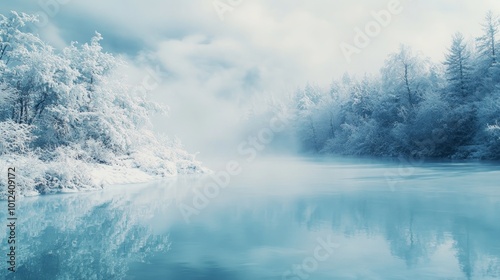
column 437, row 222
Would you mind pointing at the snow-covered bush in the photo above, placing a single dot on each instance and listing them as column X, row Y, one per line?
column 96, row 152
column 493, row 142
column 34, row 176
column 15, row 137
column 64, row 175
column 162, row 156
column 28, row 170
column 494, row 130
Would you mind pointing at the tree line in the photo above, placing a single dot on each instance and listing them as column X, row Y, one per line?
column 414, row 107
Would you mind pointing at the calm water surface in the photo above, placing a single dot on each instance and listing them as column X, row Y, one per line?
column 281, row 218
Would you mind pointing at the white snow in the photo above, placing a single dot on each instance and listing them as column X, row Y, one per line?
column 113, row 175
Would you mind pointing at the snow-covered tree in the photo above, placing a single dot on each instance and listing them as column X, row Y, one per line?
column 414, row 108
column 72, row 105
column 12, row 34
column 404, row 74
column 459, row 68
column 487, row 43
column 487, row 66
column 306, row 102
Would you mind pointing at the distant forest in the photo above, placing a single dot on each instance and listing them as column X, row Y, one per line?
column 414, row 108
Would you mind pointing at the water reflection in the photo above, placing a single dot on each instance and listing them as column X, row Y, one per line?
column 431, row 227
column 82, row 236
column 382, row 236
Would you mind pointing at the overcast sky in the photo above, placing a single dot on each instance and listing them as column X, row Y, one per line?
column 216, row 67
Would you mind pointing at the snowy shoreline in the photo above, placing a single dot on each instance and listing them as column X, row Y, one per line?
column 114, row 175
column 34, row 177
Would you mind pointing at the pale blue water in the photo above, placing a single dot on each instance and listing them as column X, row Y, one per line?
column 279, row 219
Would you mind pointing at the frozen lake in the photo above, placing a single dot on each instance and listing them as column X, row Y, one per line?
column 281, row 218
